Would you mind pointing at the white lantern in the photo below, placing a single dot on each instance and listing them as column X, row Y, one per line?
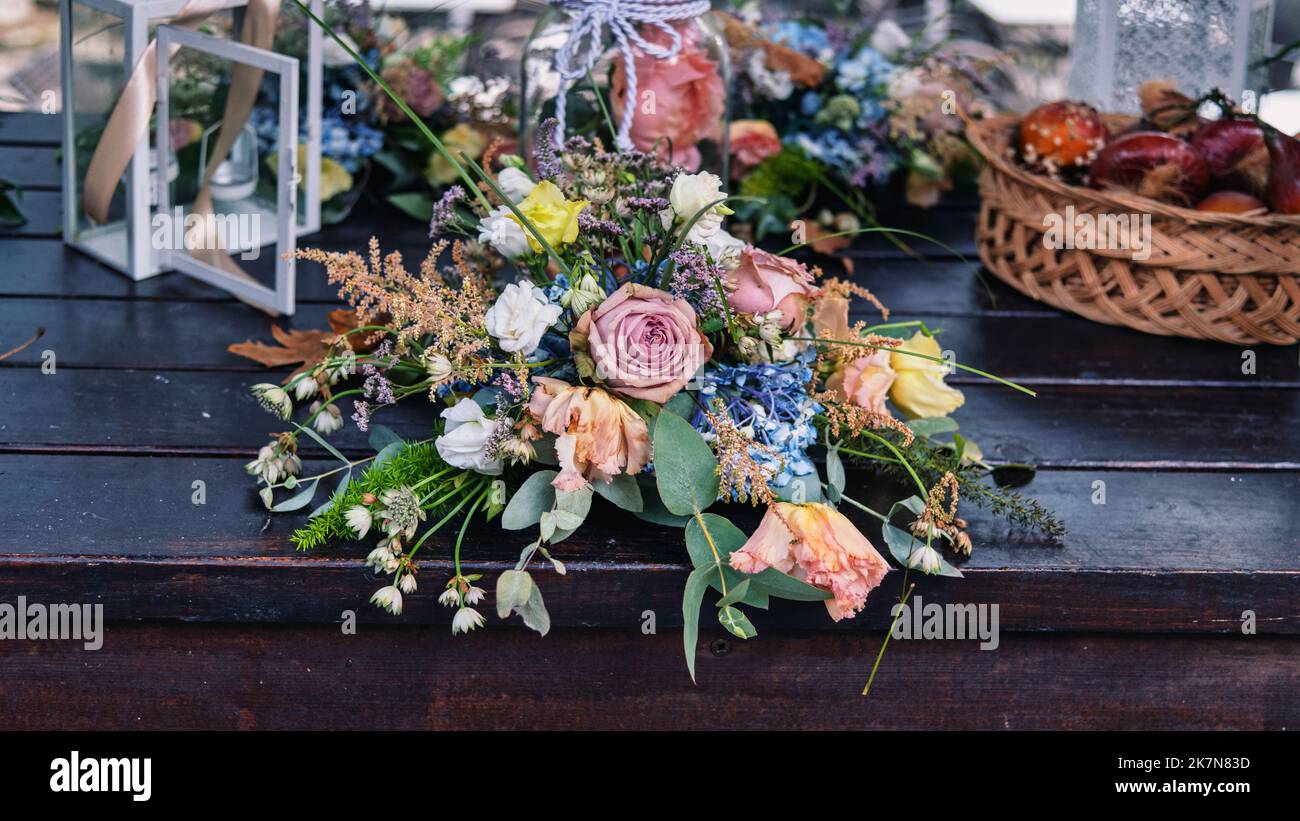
column 1199, row 45
column 111, row 215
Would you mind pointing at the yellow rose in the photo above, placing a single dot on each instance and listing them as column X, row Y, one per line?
column 461, row 138
column 918, row 388
column 554, row 217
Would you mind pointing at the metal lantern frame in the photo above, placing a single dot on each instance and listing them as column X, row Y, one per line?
column 138, row 17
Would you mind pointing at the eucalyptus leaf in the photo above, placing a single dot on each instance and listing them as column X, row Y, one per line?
column 900, row 542
column 335, row 496
column 736, row 623
column 932, row 425
column 381, row 437
column 692, row 599
column 735, row 593
column 623, row 492
column 330, row 449
column 683, row 404
column 414, row 204
column 534, row 612
column 514, row 587
column 709, row 532
column 652, row 509
column 534, row 497
column 298, row 500
column 686, row 471
column 835, row 476
column 387, row 453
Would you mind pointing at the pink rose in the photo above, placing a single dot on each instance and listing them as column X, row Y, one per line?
column 645, row 343
column 752, row 141
column 865, row 381
column 679, row 101
column 765, row 282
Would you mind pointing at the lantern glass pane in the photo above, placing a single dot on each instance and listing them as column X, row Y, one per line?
column 230, row 235
column 98, row 75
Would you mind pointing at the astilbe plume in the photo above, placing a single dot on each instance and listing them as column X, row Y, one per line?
column 419, row 306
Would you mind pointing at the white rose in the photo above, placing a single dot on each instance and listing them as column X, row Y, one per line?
column 724, row 248
column 503, row 233
column 464, row 442
column 515, row 183
column 693, row 193
column 520, row 316
column 776, row 85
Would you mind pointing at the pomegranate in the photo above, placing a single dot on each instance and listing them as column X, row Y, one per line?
column 1061, row 135
column 1234, row 152
column 1152, row 164
column 1232, row 202
column 1284, row 167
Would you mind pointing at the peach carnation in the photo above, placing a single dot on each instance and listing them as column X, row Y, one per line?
column 598, row 435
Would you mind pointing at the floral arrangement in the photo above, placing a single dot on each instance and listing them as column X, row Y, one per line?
column 591, row 328
column 827, row 115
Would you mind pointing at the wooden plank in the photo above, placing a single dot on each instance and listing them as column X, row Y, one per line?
column 35, row 168
column 43, row 210
column 203, row 412
column 24, row 128
column 1041, row 350
column 1159, row 555
column 225, row 677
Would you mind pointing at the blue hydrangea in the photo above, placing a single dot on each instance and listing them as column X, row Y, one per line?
column 804, row 37
column 772, row 401
column 865, row 70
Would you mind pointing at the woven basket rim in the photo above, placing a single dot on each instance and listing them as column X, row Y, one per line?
column 988, row 134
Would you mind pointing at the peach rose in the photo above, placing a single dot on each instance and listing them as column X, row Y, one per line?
column 817, row 544
column 645, row 343
column 598, row 435
column 765, row 282
column 680, row 101
column 865, row 381
column 752, row 141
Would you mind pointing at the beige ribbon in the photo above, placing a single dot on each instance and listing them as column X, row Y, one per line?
column 129, row 121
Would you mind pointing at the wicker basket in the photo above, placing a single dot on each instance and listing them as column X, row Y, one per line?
column 1209, row 276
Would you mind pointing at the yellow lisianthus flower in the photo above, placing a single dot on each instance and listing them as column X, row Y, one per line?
column 554, row 217
column 918, row 388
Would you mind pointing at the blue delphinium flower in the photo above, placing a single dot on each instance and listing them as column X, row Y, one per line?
column 771, row 403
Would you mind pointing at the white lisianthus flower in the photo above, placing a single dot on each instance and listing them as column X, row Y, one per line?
column 725, row 249
column 359, row 519
column 503, row 233
column 468, row 432
column 388, row 598
column 692, row 194
column 465, row 620
column 515, row 183
column 520, row 316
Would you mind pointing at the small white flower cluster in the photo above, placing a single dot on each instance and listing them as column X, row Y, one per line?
column 275, row 462
column 473, row 96
column 461, row 594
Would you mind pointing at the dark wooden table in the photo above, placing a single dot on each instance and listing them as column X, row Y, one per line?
column 215, row 622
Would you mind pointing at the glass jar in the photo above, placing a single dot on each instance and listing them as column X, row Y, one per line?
column 681, row 107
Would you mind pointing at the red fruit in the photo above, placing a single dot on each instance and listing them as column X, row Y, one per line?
column 1283, row 173
column 1061, row 135
column 1153, row 164
column 1232, row 202
column 1234, row 152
